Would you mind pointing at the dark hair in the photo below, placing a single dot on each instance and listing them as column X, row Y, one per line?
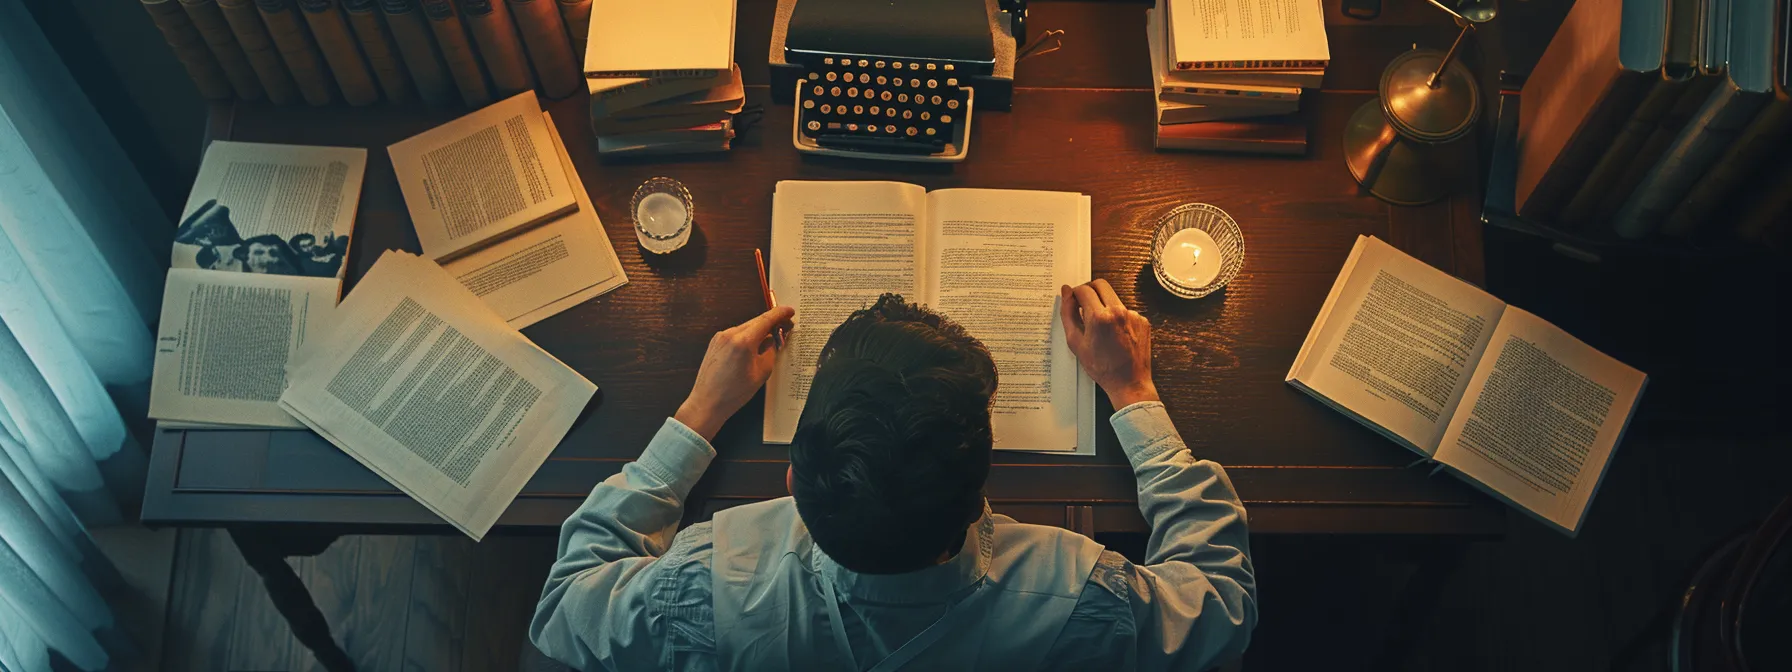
column 893, row 446
column 295, row 240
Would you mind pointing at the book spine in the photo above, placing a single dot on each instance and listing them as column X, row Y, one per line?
column 1583, row 205
column 576, row 14
column 457, row 52
column 253, row 38
column 495, row 33
column 1692, row 153
column 1746, row 157
column 410, row 31
column 302, row 58
column 217, row 35
column 189, row 47
column 340, row 51
column 544, row 34
column 377, row 45
column 1652, row 150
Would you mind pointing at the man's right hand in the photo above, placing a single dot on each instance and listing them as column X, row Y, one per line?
column 1112, row 342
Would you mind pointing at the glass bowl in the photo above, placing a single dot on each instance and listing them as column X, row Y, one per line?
column 1219, row 226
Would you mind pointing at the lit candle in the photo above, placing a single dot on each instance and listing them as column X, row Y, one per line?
column 1192, row 259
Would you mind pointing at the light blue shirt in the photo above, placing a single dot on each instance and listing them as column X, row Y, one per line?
column 630, row 591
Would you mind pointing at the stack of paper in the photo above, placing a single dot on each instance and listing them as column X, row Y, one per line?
column 422, row 383
column 1234, row 84
column 257, row 267
column 527, row 241
column 662, row 76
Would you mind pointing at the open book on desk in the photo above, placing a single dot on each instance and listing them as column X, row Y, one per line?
column 990, row 259
column 1496, row 395
column 424, row 385
column 256, row 267
column 484, row 176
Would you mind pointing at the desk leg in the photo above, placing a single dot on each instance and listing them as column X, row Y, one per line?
column 1437, row 561
column 266, row 553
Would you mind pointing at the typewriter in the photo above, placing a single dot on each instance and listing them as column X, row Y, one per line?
column 888, row 79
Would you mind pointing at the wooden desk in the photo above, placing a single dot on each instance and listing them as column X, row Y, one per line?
column 1081, row 122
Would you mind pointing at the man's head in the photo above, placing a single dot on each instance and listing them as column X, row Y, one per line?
column 267, row 254
column 893, row 447
column 304, row 244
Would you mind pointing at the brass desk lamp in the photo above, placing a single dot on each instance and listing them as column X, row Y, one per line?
column 1427, row 99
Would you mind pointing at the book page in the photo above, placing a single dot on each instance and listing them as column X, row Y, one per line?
column 1540, row 419
column 271, row 209
column 836, row 246
column 995, row 261
column 1395, row 343
column 1246, row 34
column 224, row 341
column 424, row 385
column 535, row 274
column 481, row 176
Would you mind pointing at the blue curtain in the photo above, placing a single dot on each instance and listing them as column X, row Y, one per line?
column 82, row 252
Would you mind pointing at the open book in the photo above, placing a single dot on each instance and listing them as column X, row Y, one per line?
column 484, row 176
column 537, row 272
column 1507, row 401
column 431, row 390
column 256, row 261
column 990, row 259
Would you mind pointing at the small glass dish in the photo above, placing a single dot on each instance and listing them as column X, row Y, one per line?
column 1218, row 232
column 663, row 213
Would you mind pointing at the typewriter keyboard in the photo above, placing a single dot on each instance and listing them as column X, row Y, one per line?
column 881, row 106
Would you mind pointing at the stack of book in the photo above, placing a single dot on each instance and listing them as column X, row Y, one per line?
column 662, row 76
column 1661, row 123
column 1234, row 86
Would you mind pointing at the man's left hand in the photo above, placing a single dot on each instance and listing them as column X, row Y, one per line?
column 737, row 364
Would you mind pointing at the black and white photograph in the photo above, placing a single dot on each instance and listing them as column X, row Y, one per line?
column 212, row 239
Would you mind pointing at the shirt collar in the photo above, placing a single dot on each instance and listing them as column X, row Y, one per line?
column 933, row 584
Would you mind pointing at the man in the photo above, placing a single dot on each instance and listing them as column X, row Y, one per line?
column 267, row 254
column 886, row 554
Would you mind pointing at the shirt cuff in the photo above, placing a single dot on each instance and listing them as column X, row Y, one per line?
column 678, row 456
column 1145, row 431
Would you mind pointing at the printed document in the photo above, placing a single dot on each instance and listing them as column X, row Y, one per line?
column 224, row 341
column 541, row 271
column 271, row 209
column 481, row 177
column 423, row 384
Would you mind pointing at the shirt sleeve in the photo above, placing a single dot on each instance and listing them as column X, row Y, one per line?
column 1194, row 601
column 605, row 603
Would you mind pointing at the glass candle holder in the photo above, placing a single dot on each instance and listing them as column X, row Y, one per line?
column 663, row 213
column 1197, row 250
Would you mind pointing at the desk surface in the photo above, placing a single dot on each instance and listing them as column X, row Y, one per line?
column 1081, row 122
